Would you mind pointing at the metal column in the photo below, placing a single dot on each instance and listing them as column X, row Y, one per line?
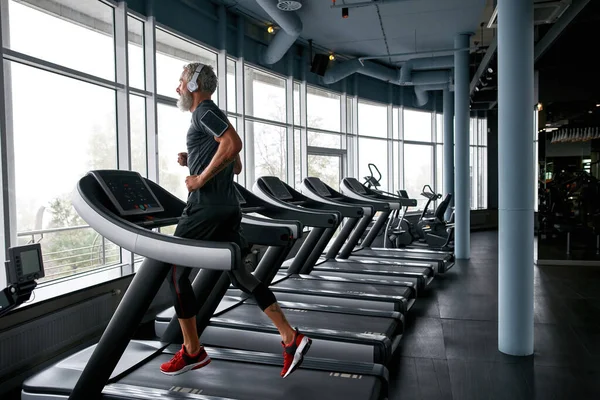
column 462, row 198
column 448, row 174
column 515, row 178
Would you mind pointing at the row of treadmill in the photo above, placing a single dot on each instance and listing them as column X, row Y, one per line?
column 349, row 298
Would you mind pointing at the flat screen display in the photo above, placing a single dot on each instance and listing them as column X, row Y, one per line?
column 277, row 188
column 319, row 187
column 356, row 185
column 30, row 262
column 129, row 192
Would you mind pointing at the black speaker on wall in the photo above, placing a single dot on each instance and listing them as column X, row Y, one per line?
column 319, row 64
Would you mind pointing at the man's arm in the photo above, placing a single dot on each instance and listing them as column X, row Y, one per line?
column 230, row 146
column 237, row 168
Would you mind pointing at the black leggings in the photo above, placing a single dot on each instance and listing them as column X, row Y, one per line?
column 217, row 223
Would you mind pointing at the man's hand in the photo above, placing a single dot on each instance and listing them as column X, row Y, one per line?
column 194, row 182
column 182, row 159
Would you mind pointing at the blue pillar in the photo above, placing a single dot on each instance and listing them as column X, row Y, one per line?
column 515, row 177
column 449, row 147
column 462, row 198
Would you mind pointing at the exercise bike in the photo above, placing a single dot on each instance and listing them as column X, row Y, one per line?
column 432, row 231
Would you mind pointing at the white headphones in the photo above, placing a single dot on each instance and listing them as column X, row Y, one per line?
column 192, row 85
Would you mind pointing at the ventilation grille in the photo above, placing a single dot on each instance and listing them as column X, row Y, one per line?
column 543, row 12
column 289, row 5
column 35, row 341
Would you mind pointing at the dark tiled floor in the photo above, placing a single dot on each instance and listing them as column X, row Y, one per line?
column 449, row 350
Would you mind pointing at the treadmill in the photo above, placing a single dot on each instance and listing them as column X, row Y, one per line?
column 342, row 330
column 278, row 193
column 352, row 188
column 124, row 207
column 353, row 230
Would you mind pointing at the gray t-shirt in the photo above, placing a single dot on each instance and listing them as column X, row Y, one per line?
column 202, row 146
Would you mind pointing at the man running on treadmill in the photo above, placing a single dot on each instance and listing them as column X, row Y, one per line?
column 213, row 213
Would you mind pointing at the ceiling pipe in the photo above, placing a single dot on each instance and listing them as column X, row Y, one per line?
column 422, row 92
column 392, row 75
column 291, row 28
column 443, row 62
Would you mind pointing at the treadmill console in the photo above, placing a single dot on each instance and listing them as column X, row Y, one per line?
column 356, row 185
column 277, row 188
column 403, row 193
column 319, row 186
column 128, row 192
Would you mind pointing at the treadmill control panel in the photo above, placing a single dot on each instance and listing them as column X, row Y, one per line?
column 356, row 185
column 277, row 188
column 128, row 192
column 319, row 187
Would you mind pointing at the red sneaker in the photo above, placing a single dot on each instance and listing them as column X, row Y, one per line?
column 183, row 362
column 293, row 353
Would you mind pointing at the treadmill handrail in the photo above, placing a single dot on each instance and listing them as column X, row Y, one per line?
column 348, row 191
column 291, row 229
column 308, row 192
column 170, row 249
column 395, row 202
column 308, row 216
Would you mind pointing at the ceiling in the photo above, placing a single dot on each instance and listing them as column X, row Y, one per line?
column 569, row 85
column 401, row 26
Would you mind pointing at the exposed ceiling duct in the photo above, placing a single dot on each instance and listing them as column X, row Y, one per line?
column 344, row 69
column 422, row 92
column 443, row 62
column 291, row 28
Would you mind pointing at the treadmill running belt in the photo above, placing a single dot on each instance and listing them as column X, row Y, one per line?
column 422, row 274
column 221, row 378
column 441, row 259
column 247, row 381
column 312, row 321
column 326, row 287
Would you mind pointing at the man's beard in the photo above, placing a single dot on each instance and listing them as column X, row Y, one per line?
column 185, row 101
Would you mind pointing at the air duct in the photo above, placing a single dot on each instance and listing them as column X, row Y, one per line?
column 291, row 27
column 443, row 62
column 344, row 69
column 392, row 75
column 422, row 92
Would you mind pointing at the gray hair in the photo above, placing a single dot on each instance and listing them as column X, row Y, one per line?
column 207, row 80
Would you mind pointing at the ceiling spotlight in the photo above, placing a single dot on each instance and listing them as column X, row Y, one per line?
column 270, row 29
column 539, row 106
column 345, row 12
column 331, row 57
column 477, row 88
column 490, row 70
column 590, row 111
column 597, row 105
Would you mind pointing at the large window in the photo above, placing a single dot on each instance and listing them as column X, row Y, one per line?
column 135, row 50
column 372, row 119
column 373, row 151
column 327, row 168
column 324, row 109
column 270, row 153
column 478, row 162
column 52, row 152
column 417, row 125
column 418, row 164
column 265, row 95
column 172, row 53
column 173, row 125
column 65, row 42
